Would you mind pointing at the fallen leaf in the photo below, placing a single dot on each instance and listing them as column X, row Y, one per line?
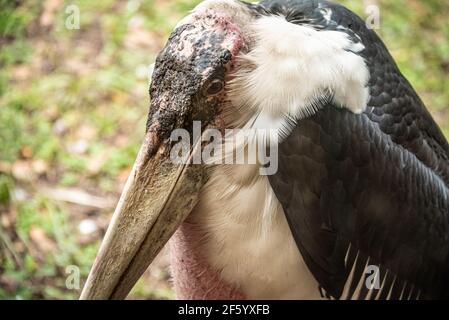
column 39, row 166
column 26, row 152
column 5, row 220
column 22, row 170
column 41, row 240
column 19, row 246
column 86, row 132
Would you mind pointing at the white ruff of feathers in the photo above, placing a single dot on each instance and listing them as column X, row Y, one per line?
column 291, row 69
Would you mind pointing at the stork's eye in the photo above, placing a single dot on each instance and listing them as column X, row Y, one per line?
column 214, row 87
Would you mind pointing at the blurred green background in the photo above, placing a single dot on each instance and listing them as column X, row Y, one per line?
column 73, row 104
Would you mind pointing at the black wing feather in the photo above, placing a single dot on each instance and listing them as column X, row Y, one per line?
column 385, row 203
column 371, row 187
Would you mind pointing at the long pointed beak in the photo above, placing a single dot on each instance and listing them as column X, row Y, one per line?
column 157, row 197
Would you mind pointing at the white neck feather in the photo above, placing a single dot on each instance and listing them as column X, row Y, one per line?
column 290, row 68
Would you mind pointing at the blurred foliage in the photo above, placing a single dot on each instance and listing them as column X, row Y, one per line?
column 72, row 112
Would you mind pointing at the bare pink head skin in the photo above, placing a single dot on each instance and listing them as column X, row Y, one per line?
column 190, row 72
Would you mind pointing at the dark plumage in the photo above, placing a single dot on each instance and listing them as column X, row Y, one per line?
column 371, row 188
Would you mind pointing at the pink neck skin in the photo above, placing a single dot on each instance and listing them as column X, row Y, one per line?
column 192, row 277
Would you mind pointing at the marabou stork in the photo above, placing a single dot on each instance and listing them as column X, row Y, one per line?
column 362, row 177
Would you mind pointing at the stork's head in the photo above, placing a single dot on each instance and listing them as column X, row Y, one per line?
column 190, row 73
column 228, row 64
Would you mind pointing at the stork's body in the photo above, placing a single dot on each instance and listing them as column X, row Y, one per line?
column 239, row 239
column 360, row 186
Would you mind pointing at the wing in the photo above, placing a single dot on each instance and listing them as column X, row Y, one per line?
column 369, row 193
column 353, row 197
